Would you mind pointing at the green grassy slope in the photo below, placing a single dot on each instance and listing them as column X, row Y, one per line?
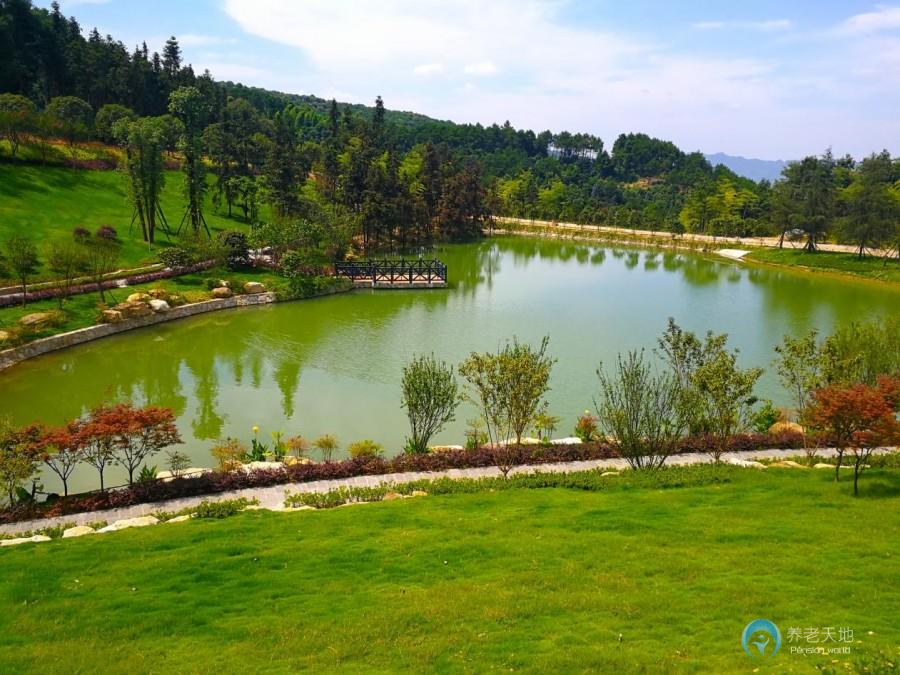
column 869, row 267
column 46, row 202
column 629, row 580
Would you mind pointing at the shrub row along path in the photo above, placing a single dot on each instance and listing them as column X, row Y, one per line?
column 273, row 497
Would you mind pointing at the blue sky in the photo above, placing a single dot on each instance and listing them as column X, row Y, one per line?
column 763, row 79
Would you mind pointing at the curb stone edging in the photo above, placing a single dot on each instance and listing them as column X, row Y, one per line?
column 13, row 355
column 273, row 496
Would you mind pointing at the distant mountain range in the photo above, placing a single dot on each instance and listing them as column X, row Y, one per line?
column 754, row 169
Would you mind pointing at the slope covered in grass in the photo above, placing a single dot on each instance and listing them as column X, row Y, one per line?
column 869, row 267
column 47, row 202
column 625, row 580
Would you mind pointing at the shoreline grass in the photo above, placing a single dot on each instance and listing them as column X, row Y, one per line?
column 625, row 580
column 870, row 268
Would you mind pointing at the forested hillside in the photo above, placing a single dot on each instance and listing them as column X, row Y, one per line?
column 387, row 177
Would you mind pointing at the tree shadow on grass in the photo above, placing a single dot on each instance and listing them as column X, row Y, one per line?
column 877, row 485
column 17, row 180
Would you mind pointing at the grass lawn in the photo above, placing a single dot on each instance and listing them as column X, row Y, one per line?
column 825, row 261
column 81, row 311
column 47, row 202
column 624, row 580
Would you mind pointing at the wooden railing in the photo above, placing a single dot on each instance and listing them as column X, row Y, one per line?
column 394, row 272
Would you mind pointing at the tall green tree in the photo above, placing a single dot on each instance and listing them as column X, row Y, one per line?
column 813, row 193
column 191, row 107
column 640, row 410
column 143, row 163
column 872, row 204
column 107, row 118
column 285, row 169
column 429, row 395
column 16, row 116
column 509, row 387
column 72, row 118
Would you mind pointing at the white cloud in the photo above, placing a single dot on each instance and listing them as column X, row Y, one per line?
column 481, row 69
column 709, row 25
column 770, row 25
column 429, row 69
column 883, row 18
column 548, row 73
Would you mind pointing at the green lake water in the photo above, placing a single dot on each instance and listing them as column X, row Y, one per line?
column 332, row 365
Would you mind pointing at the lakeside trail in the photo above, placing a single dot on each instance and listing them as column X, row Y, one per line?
column 273, row 497
column 759, row 242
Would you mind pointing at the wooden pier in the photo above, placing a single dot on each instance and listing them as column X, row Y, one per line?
column 394, row 274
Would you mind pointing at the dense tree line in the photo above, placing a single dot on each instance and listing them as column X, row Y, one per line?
column 397, row 179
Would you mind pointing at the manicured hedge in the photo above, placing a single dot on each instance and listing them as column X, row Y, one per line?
column 219, row 481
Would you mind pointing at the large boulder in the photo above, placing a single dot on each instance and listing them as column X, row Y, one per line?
column 111, row 316
column 269, row 466
column 78, row 531
column 784, row 427
column 190, row 472
column 746, row 463
column 221, row 292
column 23, row 540
column 138, row 297
column 291, row 460
column 38, row 319
column 252, row 287
column 159, row 306
column 133, row 310
column 444, row 448
column 141, row 521
column 788, row 464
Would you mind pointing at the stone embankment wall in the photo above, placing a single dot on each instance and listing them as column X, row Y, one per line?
column 9, row 357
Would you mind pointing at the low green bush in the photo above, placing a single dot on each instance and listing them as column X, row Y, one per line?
column 333, row 498
column 592, row 481
column 220, row 509
column 365, row 448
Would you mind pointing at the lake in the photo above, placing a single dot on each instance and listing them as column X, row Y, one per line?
column 333, row 365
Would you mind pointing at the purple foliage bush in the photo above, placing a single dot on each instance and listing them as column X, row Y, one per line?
column 216, row 482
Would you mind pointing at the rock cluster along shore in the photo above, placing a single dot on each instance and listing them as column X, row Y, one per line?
column 254, row 293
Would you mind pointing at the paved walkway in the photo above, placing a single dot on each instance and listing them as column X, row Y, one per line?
column 273, row 497
column 714, row 241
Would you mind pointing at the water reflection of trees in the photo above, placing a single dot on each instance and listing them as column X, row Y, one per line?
column 207, row 422
column 270, row 347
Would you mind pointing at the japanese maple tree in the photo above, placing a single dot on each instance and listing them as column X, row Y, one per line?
column 136, row 433
column 857, row 417
column 64, row 450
